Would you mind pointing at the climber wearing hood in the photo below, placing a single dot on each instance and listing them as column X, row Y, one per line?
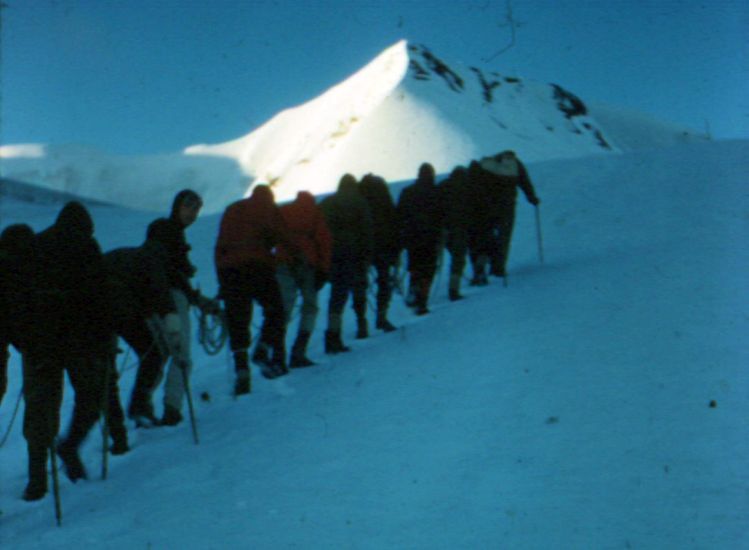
column 249, row 231
column 420, row 220
column 386, row 242
column 459, row 223
column 170, row 232
column 350, row 223
column 501, row 175
column 71, row 329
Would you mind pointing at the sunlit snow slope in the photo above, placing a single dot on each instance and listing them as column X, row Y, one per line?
column 597, row 402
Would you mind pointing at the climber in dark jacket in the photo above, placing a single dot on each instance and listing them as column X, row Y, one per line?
column 386, row 243
column 350, row 223
column 71, row 328
column 144, row 297
column 459, row 219
column 420, row 220
column 16, row 270
column 170, row 232
column 502, row 175
column 480, row 234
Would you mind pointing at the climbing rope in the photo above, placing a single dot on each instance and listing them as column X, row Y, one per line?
column 212, row 332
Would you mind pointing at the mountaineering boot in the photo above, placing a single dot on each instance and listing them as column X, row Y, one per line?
column 422, row 295
column 454, row 292
column 333, row 342
column 74, row 468
column 262, row 354
column 362, row 330
column 37, row 485
column 301, row 362
column 141, row 411
column 480, row 279
column 270, row 367
column 119, row 447
column 497, row 271
column 299, row 357
column 242, row 384
column 171, row 417
column 276, row 366
column 119, row 439
column 382, row 322
column 274, row 370
column 421, row 304
column 479, row 271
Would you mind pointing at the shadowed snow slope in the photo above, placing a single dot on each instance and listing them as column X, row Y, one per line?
column 403, row 108
column 571, row 409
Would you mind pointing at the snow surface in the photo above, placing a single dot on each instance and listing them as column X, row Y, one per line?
column 405, row 107
column 568, row 410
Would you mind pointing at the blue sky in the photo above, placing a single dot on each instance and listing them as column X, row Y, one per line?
column 155, row 76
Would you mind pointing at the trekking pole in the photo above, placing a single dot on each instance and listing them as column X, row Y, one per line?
column 188, row 393
column 538, row 234
column 438, row 271
column 55, row 486
column 105, row 424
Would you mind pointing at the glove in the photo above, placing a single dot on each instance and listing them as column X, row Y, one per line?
column 534, row 200
column 320, row 279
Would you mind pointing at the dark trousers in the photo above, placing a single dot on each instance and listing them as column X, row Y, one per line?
column 422, row 265
column 384, row 284
column 239, row 288
column 457, row 246
column 348, row 276
column 43, row 380
column 43, row 391
column 501, row 236
column 150, row 364
column 96, row 392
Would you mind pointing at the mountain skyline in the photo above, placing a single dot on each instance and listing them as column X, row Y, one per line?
column 130, row 78
column 406, row 106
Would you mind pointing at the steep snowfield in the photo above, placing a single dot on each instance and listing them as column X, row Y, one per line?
column 403, row 108
column 569, row 410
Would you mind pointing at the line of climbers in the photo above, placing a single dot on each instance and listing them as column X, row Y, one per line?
column 64, row 303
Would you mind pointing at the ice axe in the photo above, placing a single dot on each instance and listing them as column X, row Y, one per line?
column 538, row 235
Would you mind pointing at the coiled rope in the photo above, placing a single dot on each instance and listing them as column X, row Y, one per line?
column 212, row 332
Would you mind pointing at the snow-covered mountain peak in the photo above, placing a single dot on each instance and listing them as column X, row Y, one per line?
column 404, row 107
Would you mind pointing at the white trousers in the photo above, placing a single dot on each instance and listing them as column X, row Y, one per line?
column 174, row 387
